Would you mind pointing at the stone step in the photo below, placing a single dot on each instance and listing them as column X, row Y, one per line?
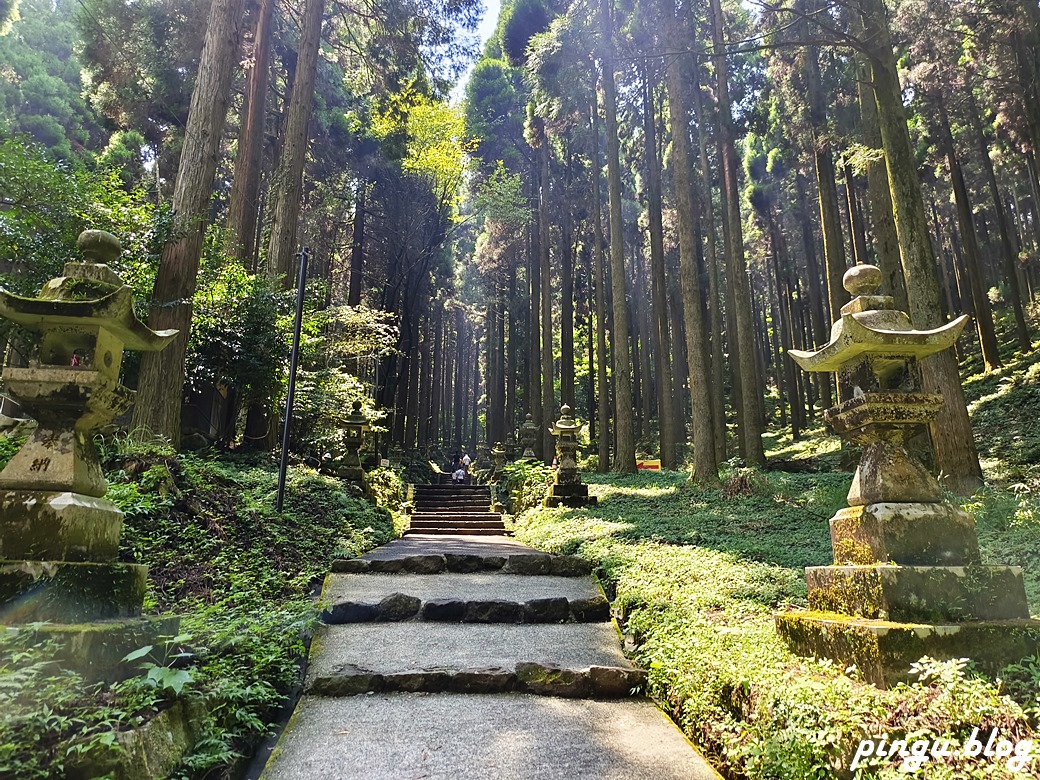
column 420, row 525
column 447, row 517
column 552, row 660
column 422, row 528
column 443, row 507
column 490, row 737
column 454, row 530
column 462, row 556
column 452, row 501
column 462, row 598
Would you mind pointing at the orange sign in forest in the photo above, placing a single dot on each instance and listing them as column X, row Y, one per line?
column 649, row 465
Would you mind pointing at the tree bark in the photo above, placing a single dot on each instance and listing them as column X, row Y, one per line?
column 357, row 245
column 954, row 445
column 736, row 265
column 1008, row 254
column 705, row 466
column 625, row 451
column 287, row 184
column 970, row 242
column 244, row 202
column 886, row 242
column 161, row 378
column 548, row 399
column 717, row 320
column 665, row 406
column 603, row 394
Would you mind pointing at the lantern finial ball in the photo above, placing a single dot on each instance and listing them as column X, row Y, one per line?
column 863, row 280
column 98, row 246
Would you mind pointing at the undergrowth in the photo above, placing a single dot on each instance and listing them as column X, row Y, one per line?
column 696, row 575
column 240, row 575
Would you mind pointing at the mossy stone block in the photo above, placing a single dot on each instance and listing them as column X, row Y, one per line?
column 910, row 534
column 884, row 651
column 58, row 526
column 70, row 592
column 150, row 752
column 96, row 650
column 927, row 594
column 573, row 496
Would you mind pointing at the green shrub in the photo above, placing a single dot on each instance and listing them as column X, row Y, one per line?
column 527, row 484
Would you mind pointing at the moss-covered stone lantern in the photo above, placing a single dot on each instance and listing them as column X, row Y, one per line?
column 498, row 461
column 567, row 489
column 528, row 435
column 907, row 580
column 354, row 429
column 59, row 535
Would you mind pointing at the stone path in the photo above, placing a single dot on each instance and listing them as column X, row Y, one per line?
column 471, row 657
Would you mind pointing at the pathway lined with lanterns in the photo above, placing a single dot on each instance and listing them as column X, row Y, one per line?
column 472, row 657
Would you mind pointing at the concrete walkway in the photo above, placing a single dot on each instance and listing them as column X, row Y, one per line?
column 466, row 657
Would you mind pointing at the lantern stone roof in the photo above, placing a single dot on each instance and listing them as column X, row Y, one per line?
column 88, row 297
column 869, row 325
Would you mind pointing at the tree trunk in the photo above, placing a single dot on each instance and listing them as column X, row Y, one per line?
column 830, row 215
column 736, row 266
column 1008, row 254
column 705, row 466
column 244, row 203
column 548, row 400
column 161, row 377
column 567, row 310
column 625, row 451
column 603, row 394
column 886, row 242
column 955, row 452
column 717, row 320
column 287, row 184
column 970, row 242
column 665, row 410
column 357, row 245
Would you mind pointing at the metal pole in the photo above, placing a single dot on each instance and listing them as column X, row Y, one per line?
column 301, row 285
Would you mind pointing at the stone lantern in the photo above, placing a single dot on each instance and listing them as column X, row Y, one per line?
column 567, row 489
column 510, row 446
column 354, row 429
column 59, row 535
column 907, row 579
column 528, row 436
column 498, row 460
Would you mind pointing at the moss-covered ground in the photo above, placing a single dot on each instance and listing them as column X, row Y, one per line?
column 698, row 574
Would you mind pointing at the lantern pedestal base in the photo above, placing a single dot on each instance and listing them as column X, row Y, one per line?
column 573, row 496
column 883, row 651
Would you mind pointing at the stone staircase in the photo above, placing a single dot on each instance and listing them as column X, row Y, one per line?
column 447, row 508
column 473, row 658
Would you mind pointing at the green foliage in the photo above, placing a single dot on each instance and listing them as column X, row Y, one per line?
column 387, row 486
column 240, row 576
column 519, row 24
column 45, row 205
column 40, row 89
column 696, row 575
column 239, row 334
column 527, row 484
